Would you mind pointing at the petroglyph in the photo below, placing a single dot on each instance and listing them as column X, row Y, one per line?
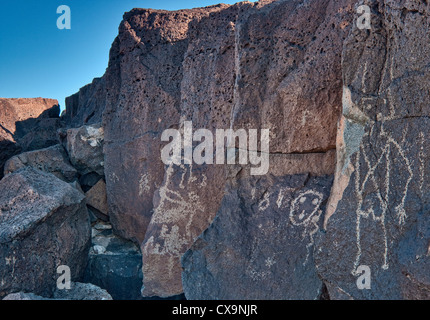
column 165, row 213
column 421, row 164
column 305, row 212
column 144, row 184
column 375, row 205
column 283, row 193
column 173, row 242
column 265, row 202
column 255, row 271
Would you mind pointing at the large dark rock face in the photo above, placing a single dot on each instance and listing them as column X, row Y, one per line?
column 379, row 211
column 43, row 224
column 219, row 68
column 78, row 291
column 147, row 58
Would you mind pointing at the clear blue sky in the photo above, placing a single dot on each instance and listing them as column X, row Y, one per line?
column 39, row 60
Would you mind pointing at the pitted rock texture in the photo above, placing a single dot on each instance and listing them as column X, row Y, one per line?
column 379, row 214
column 228, row 72
column 96, row 198
column 82, row 291
column 43, row 224
column 115, row 264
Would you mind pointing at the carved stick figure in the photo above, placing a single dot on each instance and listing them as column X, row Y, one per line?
column 305, row 212
column 374, row 205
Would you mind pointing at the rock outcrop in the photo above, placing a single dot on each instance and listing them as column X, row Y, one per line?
column 339, row 212
column 260, row 245
column 86, row 106
column 219, row 68
column 43, row 224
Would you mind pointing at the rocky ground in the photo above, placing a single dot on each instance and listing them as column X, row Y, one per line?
column 346, row 191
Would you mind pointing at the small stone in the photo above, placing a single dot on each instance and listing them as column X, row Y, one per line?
column 99, row 249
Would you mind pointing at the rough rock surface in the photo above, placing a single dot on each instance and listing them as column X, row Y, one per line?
column 378, row 214
column 85, row 148
column 43, row 133
column 144, row 82
column 260, row 245
column 43, row 224
column 22, row 296
column 89, row 180
column 18, row 117
column 53, row 160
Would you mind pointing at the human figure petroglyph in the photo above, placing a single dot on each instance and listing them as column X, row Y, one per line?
column 375, row 205
column 305, row 212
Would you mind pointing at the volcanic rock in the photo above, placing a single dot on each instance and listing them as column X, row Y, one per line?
column 242, row 83
column 43, row 224
column 82, row 291
column 78, row 291
column 85, row 149
column 260, row 245
column 86, row 106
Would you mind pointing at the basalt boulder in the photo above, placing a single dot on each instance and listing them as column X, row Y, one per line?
column 85, row 149
column 44, row 224
column 53, row 160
